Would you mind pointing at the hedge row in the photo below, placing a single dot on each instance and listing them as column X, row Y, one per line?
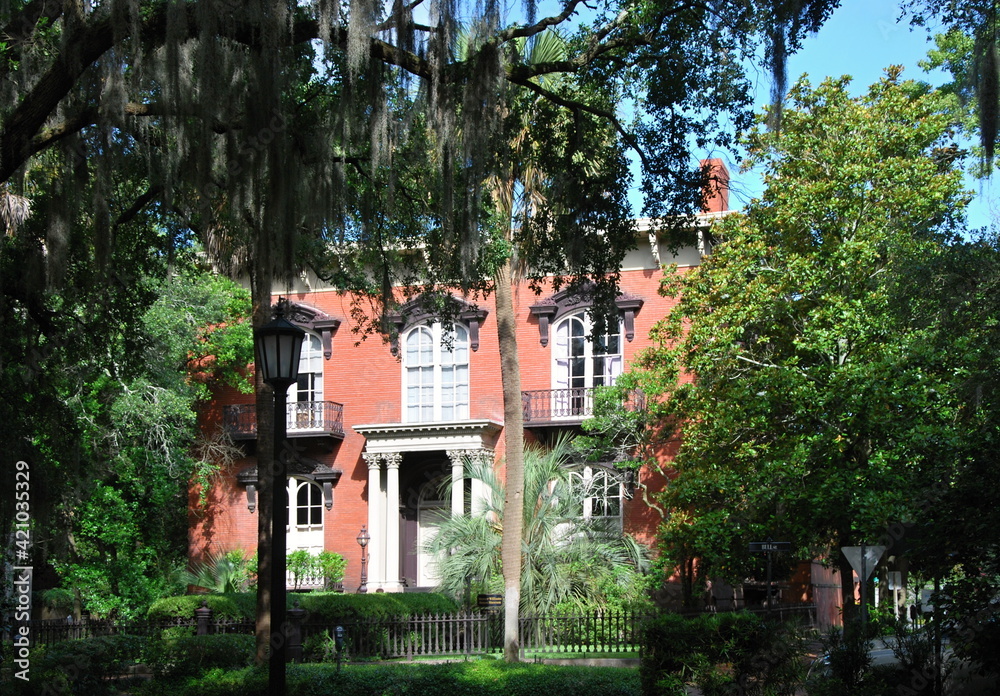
column 324, row 606
column 77, row 667
column 191, row 656
column 97, row 666
column 477, row 678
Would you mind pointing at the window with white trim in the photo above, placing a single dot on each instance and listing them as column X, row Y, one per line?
column 310, row 384
column 435, row 373
column 600, row 492
column 307, row 514
column 582, row 362
column 304, row 408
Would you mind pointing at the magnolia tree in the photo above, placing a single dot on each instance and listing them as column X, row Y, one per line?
column 818, row 407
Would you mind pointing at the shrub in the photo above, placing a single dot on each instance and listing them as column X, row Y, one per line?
column 322, row 606
column 224, row 572
column 720, row 652
column 849, row 655
column 339, row 607
column 193, row 655
column 83, row 667
column 300, row 563
column 320, row 647
column 331, row 566
column 480, row 678
column 237, row 606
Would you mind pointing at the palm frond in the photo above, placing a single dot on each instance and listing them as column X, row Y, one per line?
column 565, row 558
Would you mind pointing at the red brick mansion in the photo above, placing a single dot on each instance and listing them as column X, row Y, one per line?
column 378, row 426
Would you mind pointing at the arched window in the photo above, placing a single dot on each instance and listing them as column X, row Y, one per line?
column 582, row 362
column 308, row 505
column 305, row 396
column 435, row 373
column 305, row 515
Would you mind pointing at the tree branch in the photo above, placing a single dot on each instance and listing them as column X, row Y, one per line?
column 22, row 25
column 141, row 202
column 577, row 106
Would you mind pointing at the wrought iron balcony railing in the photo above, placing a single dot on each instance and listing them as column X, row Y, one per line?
column 304, row 419
column 567, row 406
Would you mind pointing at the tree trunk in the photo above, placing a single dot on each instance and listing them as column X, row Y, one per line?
column 513, row 509
column 850, row 611
column 265, row 450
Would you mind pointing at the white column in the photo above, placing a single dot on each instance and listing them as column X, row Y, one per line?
column 392, row 550
column 376, row 517
column 480, row 491
column 457, row 458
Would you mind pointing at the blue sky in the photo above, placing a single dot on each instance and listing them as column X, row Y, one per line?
column 861, row 39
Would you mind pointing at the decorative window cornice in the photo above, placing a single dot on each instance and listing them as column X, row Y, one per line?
column 298, row 467
column 314, row 320
column 566, row 302
column 417, row 311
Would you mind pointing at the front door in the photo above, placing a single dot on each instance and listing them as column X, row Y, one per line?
column 429, row 519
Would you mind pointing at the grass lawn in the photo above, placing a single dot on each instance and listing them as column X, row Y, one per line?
column 473, row 678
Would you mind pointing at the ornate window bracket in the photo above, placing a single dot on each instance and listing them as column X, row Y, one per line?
column 303, row 468
column 314, row 320
column 416, row 311
column 565, row 301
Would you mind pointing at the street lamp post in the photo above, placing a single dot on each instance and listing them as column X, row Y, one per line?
column 363, row 539
column 278, row 345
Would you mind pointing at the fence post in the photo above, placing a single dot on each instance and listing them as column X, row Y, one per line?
column 294, row 647
column 202, row 615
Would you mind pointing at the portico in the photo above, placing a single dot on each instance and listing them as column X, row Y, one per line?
column 407, row 465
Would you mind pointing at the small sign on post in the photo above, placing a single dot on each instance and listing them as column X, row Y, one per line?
column 769, row 546
column 489, row 602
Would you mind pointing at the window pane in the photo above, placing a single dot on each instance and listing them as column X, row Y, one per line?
column 412, row 348
column 436, row 374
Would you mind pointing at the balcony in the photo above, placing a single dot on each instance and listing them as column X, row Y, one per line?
column 305, row 419
column 555, row 407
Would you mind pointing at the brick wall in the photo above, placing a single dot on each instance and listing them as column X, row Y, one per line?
column 366, row 378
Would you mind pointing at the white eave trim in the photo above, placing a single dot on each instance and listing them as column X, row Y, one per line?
column 386, row 438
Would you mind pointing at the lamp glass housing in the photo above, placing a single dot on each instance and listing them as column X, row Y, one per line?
column 278, row 345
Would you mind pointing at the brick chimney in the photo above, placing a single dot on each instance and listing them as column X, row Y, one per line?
column 715, row 196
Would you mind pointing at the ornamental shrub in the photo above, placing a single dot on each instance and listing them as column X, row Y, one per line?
column 237, row 606
column 82, row 667
column 322, row 606
column 477, row 678
column 339, row 607
column 193, row 655
column 720, row 653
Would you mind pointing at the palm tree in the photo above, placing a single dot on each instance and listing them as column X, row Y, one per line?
column 14, row 210
column 222, row 572
column 522, row 187
column 565, row 558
